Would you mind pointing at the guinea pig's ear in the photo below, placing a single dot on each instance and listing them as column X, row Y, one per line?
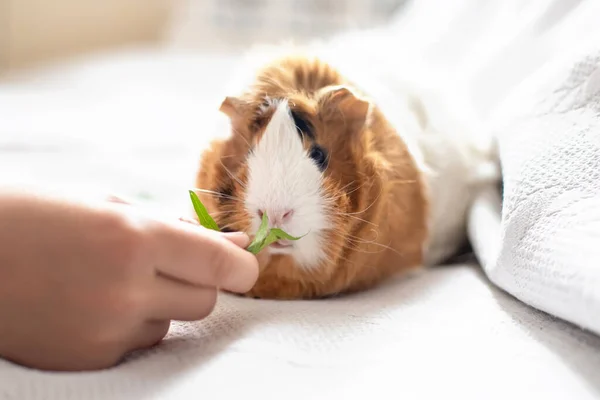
column 233, row 107
column 355, row 110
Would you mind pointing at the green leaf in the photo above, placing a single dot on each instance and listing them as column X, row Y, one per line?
column 255, row 247
column 203, row 217
column 263, row 238
column 282, row 234
column 271, row 238
column 260, row 236
column 266, row 239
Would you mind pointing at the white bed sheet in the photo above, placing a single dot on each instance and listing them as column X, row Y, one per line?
column 444, row 334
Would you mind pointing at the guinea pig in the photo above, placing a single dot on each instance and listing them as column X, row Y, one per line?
column 365, row 179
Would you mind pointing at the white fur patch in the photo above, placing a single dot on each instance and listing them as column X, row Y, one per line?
column 283, row 177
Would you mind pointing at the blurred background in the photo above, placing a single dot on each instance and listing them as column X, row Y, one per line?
column 37, row 32
column 116, row 96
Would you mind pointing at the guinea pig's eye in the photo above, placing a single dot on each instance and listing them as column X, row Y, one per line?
column 319, row 156
column 302, row 125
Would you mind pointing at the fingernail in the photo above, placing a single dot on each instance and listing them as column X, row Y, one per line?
column 239, row 238
column 116, row 199
column 189, row 220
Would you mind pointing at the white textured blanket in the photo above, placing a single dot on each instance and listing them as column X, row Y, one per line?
column 548, row 254
column 533, row 69
column 131, row 124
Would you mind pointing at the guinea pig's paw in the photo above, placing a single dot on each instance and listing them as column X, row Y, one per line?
column 264, row 258
column 279, row 289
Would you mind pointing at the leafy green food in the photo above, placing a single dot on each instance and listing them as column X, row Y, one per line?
column 260, row 236
column 263, row 237
column 283, row 235
column 203, row 217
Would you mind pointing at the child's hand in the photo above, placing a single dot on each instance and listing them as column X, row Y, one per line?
column 81, row 285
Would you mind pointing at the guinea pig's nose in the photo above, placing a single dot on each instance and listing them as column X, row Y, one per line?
column 277, row 217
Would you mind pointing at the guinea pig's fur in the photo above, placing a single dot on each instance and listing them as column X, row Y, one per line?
column 323, row 158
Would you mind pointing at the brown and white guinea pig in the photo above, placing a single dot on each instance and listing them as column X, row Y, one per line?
column 364, row 176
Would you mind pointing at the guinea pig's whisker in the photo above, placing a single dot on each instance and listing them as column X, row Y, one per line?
column 357, row 188
column 223, row 213
column 359, row 219
column 353, row 217
column 235, row 131
column 355, row 243
column 332, row 199
column 382, row 246
column 228, row 226
column 365, row 240
column 328, row 159
column 346, row 185
column 356, row 239
column 356, row 247
column 369, row 206
column 216, row 194
column 232, row 175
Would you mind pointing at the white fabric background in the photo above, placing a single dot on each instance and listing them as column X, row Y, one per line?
column 533, row 71
column 549, row 256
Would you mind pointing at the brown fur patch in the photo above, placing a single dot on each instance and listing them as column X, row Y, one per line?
column 378, row 208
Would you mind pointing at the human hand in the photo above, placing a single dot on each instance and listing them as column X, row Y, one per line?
column 83, row 284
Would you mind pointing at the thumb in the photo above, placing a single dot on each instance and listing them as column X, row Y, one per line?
column 238, row 238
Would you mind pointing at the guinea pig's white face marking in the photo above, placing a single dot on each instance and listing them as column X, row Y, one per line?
column 285, row 183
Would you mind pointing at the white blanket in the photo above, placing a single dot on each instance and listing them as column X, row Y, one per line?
column 131, row 123
column 548, row 254
column 533, row 72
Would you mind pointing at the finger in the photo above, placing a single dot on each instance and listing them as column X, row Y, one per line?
column 203, row 257
column 239, row 238
column 116, row 199
column 180, row 301
column 149, row 334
